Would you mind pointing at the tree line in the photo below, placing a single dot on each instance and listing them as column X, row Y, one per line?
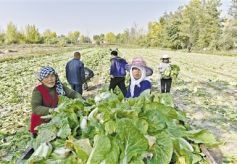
column 197, row 25
column 31, row 35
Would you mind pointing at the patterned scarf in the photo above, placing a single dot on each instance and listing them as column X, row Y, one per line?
column 44, row 72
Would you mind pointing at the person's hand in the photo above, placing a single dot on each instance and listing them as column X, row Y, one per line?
column 111, row 76
column 51, row 110
column 56, row 110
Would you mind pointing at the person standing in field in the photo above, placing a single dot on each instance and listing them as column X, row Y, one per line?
column 45, row 96
column 75, row 73
column 140, row 81
column 165, row 74
column 117, row 72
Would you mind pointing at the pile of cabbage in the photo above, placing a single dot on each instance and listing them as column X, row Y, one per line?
column 110, row 129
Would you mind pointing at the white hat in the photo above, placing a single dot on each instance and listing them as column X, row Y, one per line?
column 165, row 56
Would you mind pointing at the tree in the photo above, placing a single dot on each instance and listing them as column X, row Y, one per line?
column 73, row 36
column 122, row 38
column 2, row 35
column 167, row 32
column 172, row 36
column 85, row 39
column 231, row 29
column 190, row 26
column 210, row 25
column 110, row 38
column 63, row 40
column 97, row 39
column 233, row 9
column 21, row 37
column 227, row 40
column 32, row 34
column 155, row 32
column 50, row 37
column 135, row 34
column 11, row 35
column 102, row 38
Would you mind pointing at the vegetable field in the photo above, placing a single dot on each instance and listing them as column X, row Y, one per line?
column 206, row 91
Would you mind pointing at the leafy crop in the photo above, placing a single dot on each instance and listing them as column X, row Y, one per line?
column 135, row 130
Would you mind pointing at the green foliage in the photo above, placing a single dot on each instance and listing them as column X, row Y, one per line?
column 73, row 37
column 85, row 39
column 32, row 34
column 99, row 39
column 196, row 25
column 11, row 36
column 110, row 37
column 102, row 146
column 190, row 23
column 232, row 24
column 49, row 37
column 127, row 131
column 155, row 34
column 163, row 149
column 133, row 141
column 2, row 35
column 122, row 37
column 210, row 30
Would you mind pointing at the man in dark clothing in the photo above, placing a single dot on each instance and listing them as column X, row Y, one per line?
column 75, row 73
column 117, row 72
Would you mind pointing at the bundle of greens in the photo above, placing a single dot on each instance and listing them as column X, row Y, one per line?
column 139, row 130
column 174, row 72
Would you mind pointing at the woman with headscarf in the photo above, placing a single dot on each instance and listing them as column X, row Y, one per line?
column 45, row 96
column 140, row 81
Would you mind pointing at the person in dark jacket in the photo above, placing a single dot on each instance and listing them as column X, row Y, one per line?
column 117, row 72
column 45, row 96
column 75, row 73
column 140, row 81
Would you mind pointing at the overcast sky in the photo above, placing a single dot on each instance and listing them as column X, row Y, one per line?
column 87, row 16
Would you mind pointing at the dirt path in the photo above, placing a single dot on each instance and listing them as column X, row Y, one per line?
column 96, row 83
column 210, row 107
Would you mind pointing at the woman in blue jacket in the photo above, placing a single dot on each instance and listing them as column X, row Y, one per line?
column 140, row 81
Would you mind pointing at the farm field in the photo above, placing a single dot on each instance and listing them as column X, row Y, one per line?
column 206, row 90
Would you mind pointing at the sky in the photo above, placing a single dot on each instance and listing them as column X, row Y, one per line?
column 87, row 16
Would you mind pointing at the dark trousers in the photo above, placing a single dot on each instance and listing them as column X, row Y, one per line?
column 77, row 87
column 120, row 82
column 165, row 85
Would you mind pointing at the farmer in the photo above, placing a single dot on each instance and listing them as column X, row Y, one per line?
column 165, row 72
column 45, row 96
column 75, row 73
column 117, row 72
column 140, row 81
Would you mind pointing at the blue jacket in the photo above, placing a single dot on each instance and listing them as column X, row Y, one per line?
column 138, row 90
column 75, row 72
column 117, row 68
